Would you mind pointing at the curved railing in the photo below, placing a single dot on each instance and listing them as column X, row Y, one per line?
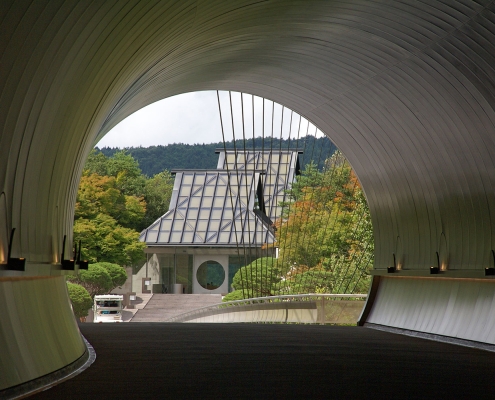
column 300, row 308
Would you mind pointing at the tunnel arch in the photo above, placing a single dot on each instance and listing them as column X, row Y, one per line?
column 388, row 95
column 404, row 89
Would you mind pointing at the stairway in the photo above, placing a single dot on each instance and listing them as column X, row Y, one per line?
column 164, row 306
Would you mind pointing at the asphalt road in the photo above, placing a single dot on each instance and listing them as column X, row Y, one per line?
column 250, row 361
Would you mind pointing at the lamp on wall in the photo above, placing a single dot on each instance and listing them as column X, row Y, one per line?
column 436, row 270
column 16, row 264
column 393, row 268
column 68, row 265
column 83, row 264
column 491, row 270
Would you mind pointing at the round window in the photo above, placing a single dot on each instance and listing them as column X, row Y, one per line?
column 210, row 275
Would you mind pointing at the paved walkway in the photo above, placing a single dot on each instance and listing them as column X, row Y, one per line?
column 161, row 307
column 141, row 301
column 249, row 361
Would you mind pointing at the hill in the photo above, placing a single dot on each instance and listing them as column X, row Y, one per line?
column 155, row 159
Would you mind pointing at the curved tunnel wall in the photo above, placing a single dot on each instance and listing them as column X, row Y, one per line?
column 38, row 334
column 458, row 308
column 405, row 89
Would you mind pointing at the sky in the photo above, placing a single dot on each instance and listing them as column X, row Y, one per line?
column 195, row 118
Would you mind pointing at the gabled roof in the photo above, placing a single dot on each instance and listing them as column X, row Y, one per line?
column 280, row 167
column 211, row 208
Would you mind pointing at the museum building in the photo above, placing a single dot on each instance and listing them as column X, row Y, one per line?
column 218, row 221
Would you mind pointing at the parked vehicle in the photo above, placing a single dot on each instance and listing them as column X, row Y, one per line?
column 107, row 308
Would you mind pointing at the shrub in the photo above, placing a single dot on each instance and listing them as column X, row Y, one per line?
column 80, row 299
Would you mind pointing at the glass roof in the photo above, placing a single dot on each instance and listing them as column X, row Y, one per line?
column 213, row 208
column 280, row 167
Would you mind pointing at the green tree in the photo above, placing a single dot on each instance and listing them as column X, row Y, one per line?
column 325, row 237
column 157, row 194
column 116, row 272
column 80, row 299
column 103, row 239
column 110, row 209
column 96, row 280
column 133, row 213
column 257, row 279
column 98, row 195
column 234, row 295
column 129, row 179
column 310, row 281
column 97, row 163
column 154, row 159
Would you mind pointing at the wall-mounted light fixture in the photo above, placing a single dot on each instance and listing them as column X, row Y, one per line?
column 83, row 264
column 68, row 265
column 16, row 264
column 436, row 270
column 393, row 268
column 491, row 270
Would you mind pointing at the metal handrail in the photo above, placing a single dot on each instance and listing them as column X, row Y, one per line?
column 257, row 300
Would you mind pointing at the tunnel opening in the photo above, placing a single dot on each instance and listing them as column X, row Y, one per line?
column 280, row 210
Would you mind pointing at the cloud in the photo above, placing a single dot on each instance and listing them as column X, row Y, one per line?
column 195, row 118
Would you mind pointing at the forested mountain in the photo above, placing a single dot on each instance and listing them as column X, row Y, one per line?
column 155, row 159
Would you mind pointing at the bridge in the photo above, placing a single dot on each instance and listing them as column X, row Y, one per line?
column 405, row 89
column 300, row 308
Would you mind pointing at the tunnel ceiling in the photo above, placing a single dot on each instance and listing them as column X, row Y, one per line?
column 406, row 89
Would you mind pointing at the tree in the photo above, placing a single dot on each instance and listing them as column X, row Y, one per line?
column 235, row 295
column 259, row 278
column 129, row 179
column 96, row 280
column 115, row 186
column 80, row 299
column 312, row 228
column 110, row 209
column 100, row 195
column 104, row 240
column 133, row 213
column 309, row 281
column 155, row 159
column 157, row 194
column 116, row 272
column 325, row 236
column 96, row 164
column 121, row 165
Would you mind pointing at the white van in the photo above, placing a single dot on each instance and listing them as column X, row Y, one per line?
column 107, row 308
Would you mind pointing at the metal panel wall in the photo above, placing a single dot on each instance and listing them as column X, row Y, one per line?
column 459, row 308
column 404, row 89
column 38, row 331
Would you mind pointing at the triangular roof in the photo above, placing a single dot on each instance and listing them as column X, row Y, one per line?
column 280, row 167
column 211, row 208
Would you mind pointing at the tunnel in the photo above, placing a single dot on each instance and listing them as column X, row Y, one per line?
column 405, row 89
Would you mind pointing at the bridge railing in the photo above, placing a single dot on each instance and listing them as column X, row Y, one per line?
column 308, row 308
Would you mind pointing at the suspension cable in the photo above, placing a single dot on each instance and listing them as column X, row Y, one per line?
column 228, row 182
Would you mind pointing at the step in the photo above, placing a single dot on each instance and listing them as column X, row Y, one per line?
column 161, row 307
